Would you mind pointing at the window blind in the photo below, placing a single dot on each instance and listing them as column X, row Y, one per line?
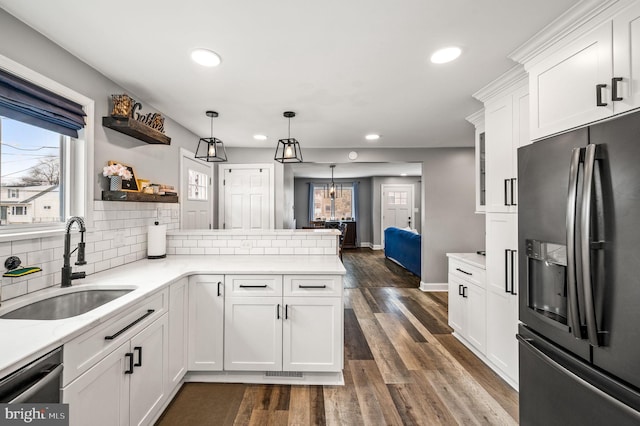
column 24, row 101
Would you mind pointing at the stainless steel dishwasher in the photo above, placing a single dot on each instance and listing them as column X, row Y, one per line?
column 37, row 382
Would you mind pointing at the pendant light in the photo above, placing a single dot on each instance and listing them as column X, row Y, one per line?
column 288, row 150
column 211, row 149
column 333, row 190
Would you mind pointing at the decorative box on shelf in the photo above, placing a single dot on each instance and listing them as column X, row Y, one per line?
column 124, row 118
column 138, row 196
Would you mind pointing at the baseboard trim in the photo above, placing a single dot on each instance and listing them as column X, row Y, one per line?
column 377, row 247
column 308, row 378
column 433, row 286
column 366, row 245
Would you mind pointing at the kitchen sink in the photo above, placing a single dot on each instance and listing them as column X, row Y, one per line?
column 65, row 305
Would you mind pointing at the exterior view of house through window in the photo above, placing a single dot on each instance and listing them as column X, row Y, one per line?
column 30, row 175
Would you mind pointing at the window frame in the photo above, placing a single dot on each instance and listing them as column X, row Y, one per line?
column 76, row 161
column 348, row 186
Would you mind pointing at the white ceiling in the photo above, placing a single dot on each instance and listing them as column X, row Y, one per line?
column 355, row 170
column 347, row 68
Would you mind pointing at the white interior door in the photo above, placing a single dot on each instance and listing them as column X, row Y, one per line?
column 397, row 207
column 248, row 197
column 196, row 192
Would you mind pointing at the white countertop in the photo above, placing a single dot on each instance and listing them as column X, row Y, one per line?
column 25, row 340
column 470, row 258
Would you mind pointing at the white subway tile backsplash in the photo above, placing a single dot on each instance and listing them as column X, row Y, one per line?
column 130, row 221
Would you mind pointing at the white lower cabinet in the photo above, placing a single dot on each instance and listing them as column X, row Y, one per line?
column 128, row 386
column 178, row 330
column 253, row 334
column 206, row 319
column 290, row 323
column 502, row 292
column 312, row 334
column 467, row 304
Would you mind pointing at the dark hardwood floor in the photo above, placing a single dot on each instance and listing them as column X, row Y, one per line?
column 402, row 366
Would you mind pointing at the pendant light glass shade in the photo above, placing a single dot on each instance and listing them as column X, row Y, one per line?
column 211, row 149
column 288, row 150
column 333, row 190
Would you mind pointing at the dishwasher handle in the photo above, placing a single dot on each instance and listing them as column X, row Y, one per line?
column 44, row 381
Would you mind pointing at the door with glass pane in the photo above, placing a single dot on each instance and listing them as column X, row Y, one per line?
column 196, row 191
column 397, row 207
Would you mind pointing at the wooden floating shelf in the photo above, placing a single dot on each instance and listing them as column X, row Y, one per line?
column 138, row 196
column 136, row 129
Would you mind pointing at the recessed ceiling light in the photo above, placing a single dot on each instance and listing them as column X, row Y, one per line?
column 205, row 57
column 403, row 174
column 372, row 137
column 260, row 137
column 445, row 55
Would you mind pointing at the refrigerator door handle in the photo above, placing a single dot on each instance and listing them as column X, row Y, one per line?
column 585, row 243
column 572, row 289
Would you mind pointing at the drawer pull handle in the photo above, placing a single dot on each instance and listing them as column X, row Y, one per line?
column 139, row 350
column 599, row 101
column 464, row 272
column 312, row 286
column 113, row 336
column 253, row 286
column 130, row 356
column 614, row 89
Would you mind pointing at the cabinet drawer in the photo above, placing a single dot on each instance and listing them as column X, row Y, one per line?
column 312, row 285
column 468, row 272
column 86, row 350
column 253, row 285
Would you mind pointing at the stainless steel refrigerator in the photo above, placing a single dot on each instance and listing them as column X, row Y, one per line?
column 579, row 276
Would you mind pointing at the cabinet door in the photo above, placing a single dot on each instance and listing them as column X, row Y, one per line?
column 502, row 282
column 456, row 313
column 253, row 333
column 100, row 396
column 178, row 330
column 499, row 154
column 148, row 383
column 502, row 235
column 476, row 328
column 206, row 319
column 626, row 57
column 312, row 334
column 563, row 86
column 502, row 327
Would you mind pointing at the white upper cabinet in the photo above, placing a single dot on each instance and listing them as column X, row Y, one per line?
column 477, row 119
column 626, row 58
column 566, row 88
column 584, row 67
column 506, row 118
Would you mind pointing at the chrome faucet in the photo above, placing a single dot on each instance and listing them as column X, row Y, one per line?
column 67, row 275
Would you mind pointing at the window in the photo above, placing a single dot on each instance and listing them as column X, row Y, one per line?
column 47, row 172
column 197, row 185
column 397, row 198
column 30, row 159
column 326, row 208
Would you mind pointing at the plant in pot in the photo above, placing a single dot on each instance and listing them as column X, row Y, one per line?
column 116, row 173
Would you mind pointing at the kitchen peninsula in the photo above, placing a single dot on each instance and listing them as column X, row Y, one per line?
column 258, row 318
